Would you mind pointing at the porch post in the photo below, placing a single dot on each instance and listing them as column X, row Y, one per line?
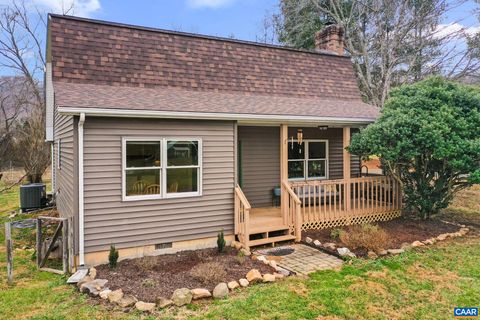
column 283, row 167
column 346, row 169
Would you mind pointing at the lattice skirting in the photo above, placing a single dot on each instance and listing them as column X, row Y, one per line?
column 384, row 216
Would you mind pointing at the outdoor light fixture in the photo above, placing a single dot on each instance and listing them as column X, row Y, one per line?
column 299, row 136
column 322, row 128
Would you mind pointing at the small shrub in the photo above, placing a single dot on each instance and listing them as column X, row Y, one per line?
column 113, row 257
column 365, row 236
column 220, row 242
column 209, row 272
column 148, row 283
column 240, row 258
column 335, row 233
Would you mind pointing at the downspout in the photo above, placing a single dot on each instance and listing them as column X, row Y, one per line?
column 81, row 238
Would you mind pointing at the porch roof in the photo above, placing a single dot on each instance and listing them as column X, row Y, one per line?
column 107, row 100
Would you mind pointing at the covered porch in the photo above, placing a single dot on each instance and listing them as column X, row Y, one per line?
column 334, row 198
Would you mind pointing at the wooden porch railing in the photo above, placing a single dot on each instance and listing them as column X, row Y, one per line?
column 330, row 203
column 242, row 217
column 291, row 211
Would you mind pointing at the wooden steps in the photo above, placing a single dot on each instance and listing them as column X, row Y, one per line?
column 259, row 242
column 254, row 229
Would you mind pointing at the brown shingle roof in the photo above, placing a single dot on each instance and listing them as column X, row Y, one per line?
column 72, row 95
column 166, row 70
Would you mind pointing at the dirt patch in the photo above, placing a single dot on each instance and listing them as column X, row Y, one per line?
column 399, row 231
column 151, row 277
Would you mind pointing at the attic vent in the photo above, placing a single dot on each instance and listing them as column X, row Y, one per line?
column 165, row 245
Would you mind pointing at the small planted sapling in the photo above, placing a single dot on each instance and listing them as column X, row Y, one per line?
column 221, row 242
column 113, row 257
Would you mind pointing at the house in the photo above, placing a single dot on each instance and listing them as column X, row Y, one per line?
column 161, row 139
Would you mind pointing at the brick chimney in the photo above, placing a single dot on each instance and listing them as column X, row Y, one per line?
column 330, row 39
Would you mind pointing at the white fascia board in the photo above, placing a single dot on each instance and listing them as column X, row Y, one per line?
column 247, row 118
column 49, row 103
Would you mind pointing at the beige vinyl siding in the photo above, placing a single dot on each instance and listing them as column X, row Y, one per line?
column 260, row 163
column 109, row 220
column 261, row 159
column 66, row 178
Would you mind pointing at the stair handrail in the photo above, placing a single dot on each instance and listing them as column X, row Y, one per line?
column 242, row 217
column 292, row 213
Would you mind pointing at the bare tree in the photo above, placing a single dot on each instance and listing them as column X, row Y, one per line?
column 267, row 32
column 21, row 51
column 14, row 99
column 390, row 41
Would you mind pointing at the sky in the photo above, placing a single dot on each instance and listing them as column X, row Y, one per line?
column 238, row 18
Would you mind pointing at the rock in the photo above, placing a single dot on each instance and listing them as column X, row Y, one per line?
column 273, row 263
column 145, row 306
column 237, row 245
column 429, row 241
column 232, row 285
column 262, row 258
column 417, row 243
column 220, row 291
column 77, row 276
column 92, row 273
column 104, row 294
column 163, row 302
column 115, row 296
column 395, row 251
column 345, row 252
column 283, row 271
column 278, row 275
column 308, row 240
column 127, row 301
column 442, row 237
column 372, row 255
column 182, row 297
column 243, row 282
column 317, row 243
column 456, row 234
column 382, row 252
column 330, row 245
column 254, row 276
column 267, row 277
column 93, row 287
column 464, row 230
column 406, row 246
column 200, row 293
column 246, row 252
column 84, row 280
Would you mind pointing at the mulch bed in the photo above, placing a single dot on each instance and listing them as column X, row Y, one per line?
column 400, row 230
column 158, row 276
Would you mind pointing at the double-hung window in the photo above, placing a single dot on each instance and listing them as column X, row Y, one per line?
column 308, row 160
column 161, row 168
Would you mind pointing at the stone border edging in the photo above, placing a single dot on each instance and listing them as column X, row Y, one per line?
column 181, row 296
column 345, row 253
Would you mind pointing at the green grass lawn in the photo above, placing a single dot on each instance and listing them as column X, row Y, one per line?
column 421, row 284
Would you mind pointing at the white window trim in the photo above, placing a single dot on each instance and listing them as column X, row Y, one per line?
column 306, row 159
column 163, row 169
column 59, row 148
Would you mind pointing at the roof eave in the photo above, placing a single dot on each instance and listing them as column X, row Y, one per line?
column 241, row 117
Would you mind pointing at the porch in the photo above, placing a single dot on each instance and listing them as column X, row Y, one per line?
column 314, row 203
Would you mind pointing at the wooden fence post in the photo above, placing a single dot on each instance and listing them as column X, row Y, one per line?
column 9, row 245
column 39, row 242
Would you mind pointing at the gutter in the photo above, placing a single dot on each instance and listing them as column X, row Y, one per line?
column 130, row 113
column 81, row 216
